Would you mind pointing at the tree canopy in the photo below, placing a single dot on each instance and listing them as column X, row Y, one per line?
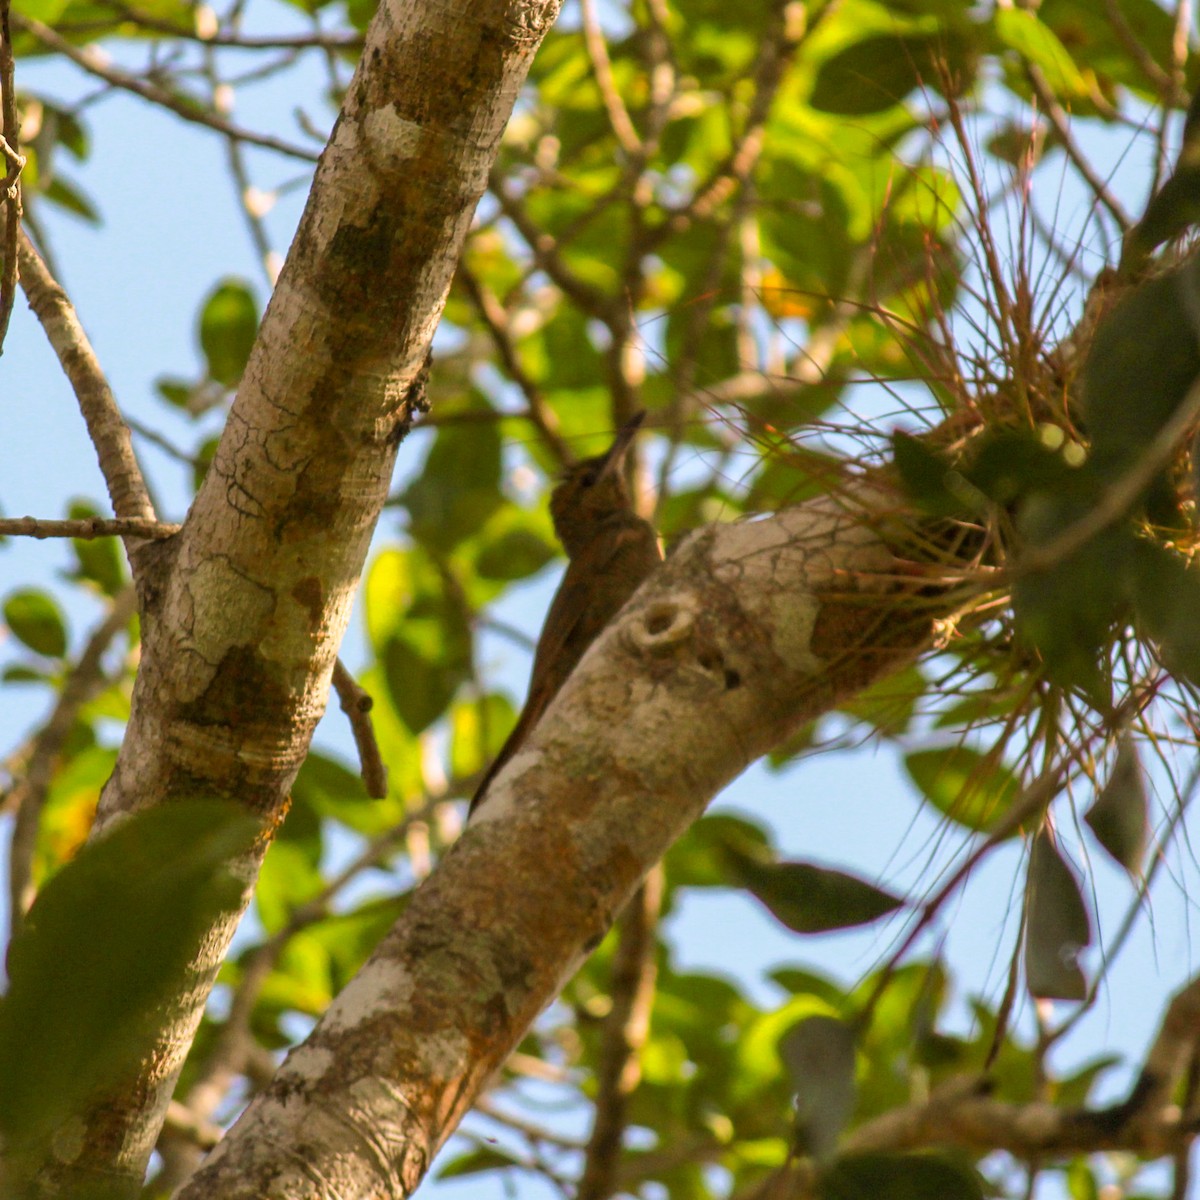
column 906, row 291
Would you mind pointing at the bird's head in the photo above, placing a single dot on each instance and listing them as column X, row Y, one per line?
column 592, row 489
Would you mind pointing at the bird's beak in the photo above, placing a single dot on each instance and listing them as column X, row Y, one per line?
column 615, row 457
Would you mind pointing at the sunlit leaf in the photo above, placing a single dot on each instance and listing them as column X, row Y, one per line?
column 228, row 327
column 34, row 618
column 965, row 785
column 109, row 937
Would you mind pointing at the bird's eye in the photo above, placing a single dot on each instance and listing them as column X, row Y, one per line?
column 589, row 477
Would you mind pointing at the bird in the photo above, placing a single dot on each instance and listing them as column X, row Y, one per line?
column 610, row 551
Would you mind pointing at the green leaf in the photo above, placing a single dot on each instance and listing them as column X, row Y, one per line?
column 1166, row 598
column 1068, row 612
column 964, row 784
column 1120, row 815
column 228, row 327
column 109, row 937
column 871, row 75
column 898, row 1177
column 819, row 1055
column 1144, row 357
column 420, row 684
column 931, row 480
column 475, row 1162
column 1020, row 30
column 701, row 858
column 517, row 553
column 1011, row 464
column 101, row 560
column 1057, row 928
column 69, row 198
column 34, row 618
column 808, row 898
column 458, row 488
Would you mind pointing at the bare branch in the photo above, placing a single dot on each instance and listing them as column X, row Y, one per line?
column 86, row 527
column 13, row 163
column 1062, row 126
column 625, row 1029
column 357, row 703
column 107, row 429
column 597, row 49
column 495, row 320
column 95, row 63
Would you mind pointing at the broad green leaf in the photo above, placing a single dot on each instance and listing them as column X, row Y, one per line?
column 1119, row 817
column 1144, row 357
column 34, row 618
column 458, row 487
column 109, row 937
column 1068, row 612
column 478, row 728
column 808, row 898
column 931, row 480
column 819, row 1055
column 964, row 784
column 898, row 1177
column 101, row 560
column 1166, row 597
column 516, row 553
column 1057, row 928
column 706, row 854
column 1011, row 464
column 1020, row 30
column 228, row 327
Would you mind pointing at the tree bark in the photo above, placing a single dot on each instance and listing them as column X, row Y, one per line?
column 745, row 633
column 243, row 611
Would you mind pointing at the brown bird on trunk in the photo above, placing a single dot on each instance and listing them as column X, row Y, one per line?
column 610, row 551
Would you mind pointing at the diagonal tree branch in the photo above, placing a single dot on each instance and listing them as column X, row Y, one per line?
column 745, row 632
column 246, row 606
column 109, row 433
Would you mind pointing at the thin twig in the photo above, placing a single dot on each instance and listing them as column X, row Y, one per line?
column 28, row 796
column 357, row 703
column 597, row 50
column 496, row 321
column 321, row 40
column 618, row 1070
column 544, row 248
column 87, row 527
column 1057, row 117
column 108, row 431
column 95, row 63
column 13, row 162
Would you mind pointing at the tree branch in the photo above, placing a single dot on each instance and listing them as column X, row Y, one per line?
column 108, row 431
column 87, row 527
column 89, row 59
column 250, row 600
column 745, row 632
column 12, row 163
column 619, row 1069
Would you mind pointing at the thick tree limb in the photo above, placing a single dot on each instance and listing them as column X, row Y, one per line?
column 745, row 632
column 245, row 608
